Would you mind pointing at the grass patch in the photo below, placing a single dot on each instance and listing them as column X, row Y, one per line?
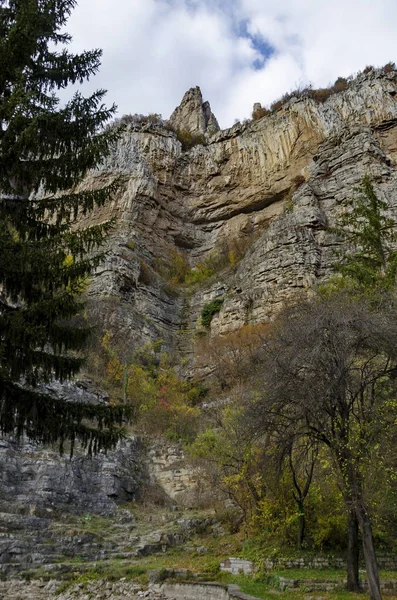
column 315, row 574
column 266, row 588
column 176, row 270
column 110, row 571
column 263, row 584
column 97, row 525
column 270, row 594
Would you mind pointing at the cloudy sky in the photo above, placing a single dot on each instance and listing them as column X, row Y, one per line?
column 238, row 51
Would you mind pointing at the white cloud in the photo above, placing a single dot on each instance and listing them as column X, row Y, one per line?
column 154, row 50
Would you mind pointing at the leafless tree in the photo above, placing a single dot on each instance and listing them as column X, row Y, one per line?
column 328, row 374
column 300, row 454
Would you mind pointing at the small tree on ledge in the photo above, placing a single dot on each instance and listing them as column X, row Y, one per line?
column 371, row 264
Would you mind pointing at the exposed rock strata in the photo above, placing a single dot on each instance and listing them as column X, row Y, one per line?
column 194, row 115
column 243, row 186
column 271, row 187
column 39, row 481
column 93, row 590
column 171, row 472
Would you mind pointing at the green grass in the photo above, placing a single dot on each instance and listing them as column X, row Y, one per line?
column 326, row 574
column 388, row 575
column 94, row 524
column 331, row 574
column 268, row 594
column 268, row 589
column 263, row 585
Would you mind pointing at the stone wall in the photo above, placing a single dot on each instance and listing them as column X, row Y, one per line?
column 237, row 565
column 203, row 591
column 387, row 563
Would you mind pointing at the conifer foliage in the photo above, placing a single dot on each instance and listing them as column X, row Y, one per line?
column 371, row 263
column 45, row 149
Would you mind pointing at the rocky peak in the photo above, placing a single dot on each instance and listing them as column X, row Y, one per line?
column 194, row 115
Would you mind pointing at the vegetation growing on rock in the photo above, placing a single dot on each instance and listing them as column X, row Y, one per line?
column 209, row 310
column 321, row 390
column 319, row 95
column 189, row 139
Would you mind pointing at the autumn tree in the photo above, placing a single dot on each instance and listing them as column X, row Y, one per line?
column 328, row 374
column 234, row 460
column 368, row 265
column 300, row 456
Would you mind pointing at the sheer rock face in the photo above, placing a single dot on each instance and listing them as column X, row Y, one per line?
column 39, row 481
column 266, row 190
column 261, row 198
column 194, row 115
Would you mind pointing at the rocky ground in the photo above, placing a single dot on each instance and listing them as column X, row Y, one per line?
column 100, row 589
column 37, row 545
column 42, row 556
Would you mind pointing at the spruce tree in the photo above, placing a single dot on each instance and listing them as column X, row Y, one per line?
column 45, row 150
column 371, row 261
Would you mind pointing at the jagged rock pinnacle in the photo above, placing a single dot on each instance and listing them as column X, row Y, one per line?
column 194, row 115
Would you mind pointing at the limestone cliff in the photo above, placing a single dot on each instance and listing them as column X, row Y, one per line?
column 269, row 188
column 194, row 115
column 258, row 199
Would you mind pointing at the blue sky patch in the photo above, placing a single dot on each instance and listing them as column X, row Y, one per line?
column 257, row 42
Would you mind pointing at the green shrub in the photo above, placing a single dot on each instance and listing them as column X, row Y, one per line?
column 209, row 310
column 160, row 401
column 201, row 272
column 189, row 140
column 175, row 268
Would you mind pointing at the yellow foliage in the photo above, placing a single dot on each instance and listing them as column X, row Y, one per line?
column 69, row 261
column 160, row 400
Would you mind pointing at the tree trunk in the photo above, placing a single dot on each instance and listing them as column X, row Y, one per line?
column 369, row 554
column 353, row 580
column 354, row 499
column 301, row 525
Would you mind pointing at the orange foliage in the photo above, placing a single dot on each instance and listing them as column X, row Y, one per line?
column 261, row 112
column 232, row 357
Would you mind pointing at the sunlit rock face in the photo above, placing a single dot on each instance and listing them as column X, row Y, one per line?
column 266, row 190
column 194, row 115
column 256, row 203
